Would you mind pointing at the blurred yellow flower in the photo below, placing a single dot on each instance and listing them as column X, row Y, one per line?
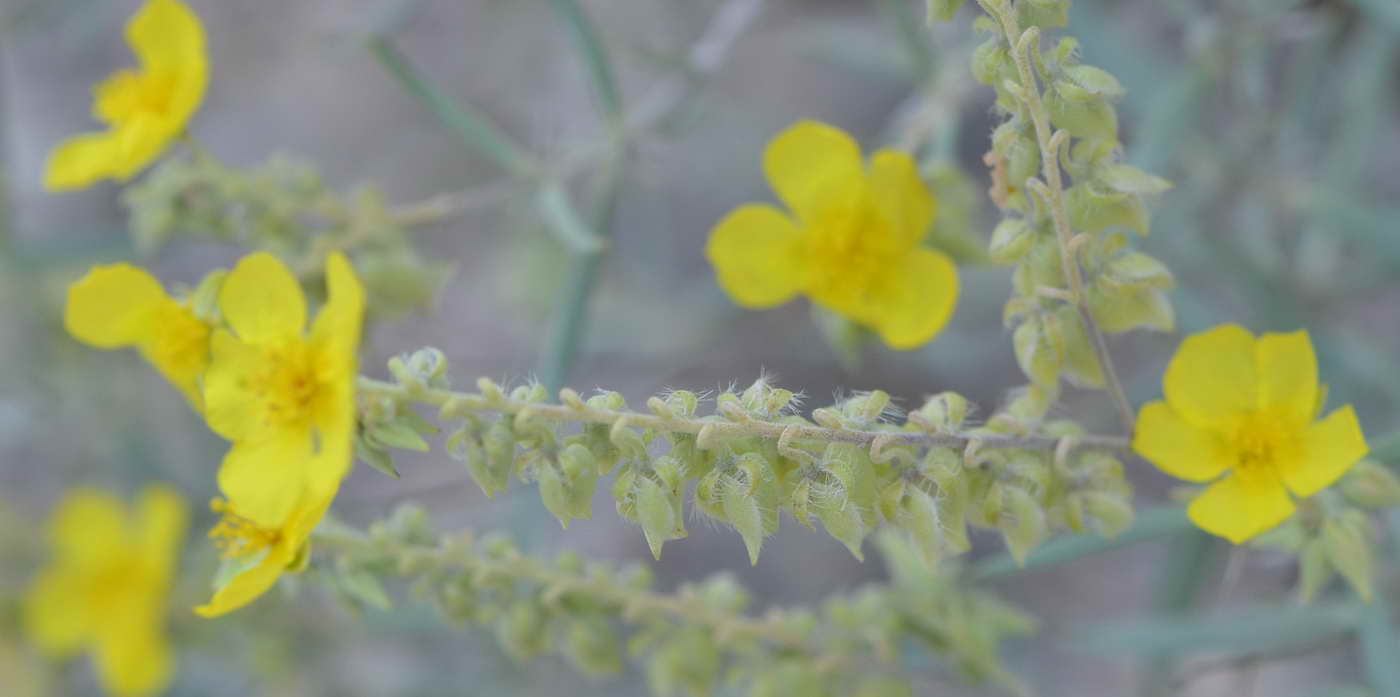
column 107, row 586
column 260, row 553
column 1249, row 407
column 144, row 109
column 119, row 306
column 285, row 397
column 853, row 243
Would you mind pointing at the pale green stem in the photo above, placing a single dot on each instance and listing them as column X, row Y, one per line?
column 454, row 404
column 1021, row 45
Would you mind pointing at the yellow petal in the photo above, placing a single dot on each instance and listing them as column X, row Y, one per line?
column 162, row 520
column 89, row 528
column 54, row 619
column 232, row 409
column 1287, row 369
column 169, row 40
column 262, row 300
column 1239, row 507
column 1328, row 449
column 264, row 477
column 807, row 162
column 1211, row 379
column 901, row 196
column 337, row 325
column 335, row 436
column 244, row 588
column 113, row 306
column 1177, row 447
column 135, row 662
column 914, row 301
column 140, row 140
column 247, row 586
column 81, row 160
column 179, row 349
column 754, row 252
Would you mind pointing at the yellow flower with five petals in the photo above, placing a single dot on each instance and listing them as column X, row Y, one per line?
column 853, row 243
column 1247, row 408
column 261, row 552
column 107, row 586
column 119, row 306
column 284, row 396
column 144, row 109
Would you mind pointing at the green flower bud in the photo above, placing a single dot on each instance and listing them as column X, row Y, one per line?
column 1038, row 358
column 1046, row 14
column 656, row 514
column 1314, row 571
column 1112, row 514
column 991, row 63
column 1081, row 363
column 1346, row 538
column 1092, row 119
column 843, row 521
column 943, row 9
column 742, row 511
column 944, row 412
column 1117, row 311
column 1128, row 179
column 1095, row 82
column 1135, row 271
column 1370, row 484
column 918, row 515
column 523, row 632
column 594, row 647
column 1011, row 241
column 1094, row 209
column 1022, row 523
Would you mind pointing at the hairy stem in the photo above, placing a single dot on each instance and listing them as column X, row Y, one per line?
column 1022, row 44
column 454, row 403
column 629, row 601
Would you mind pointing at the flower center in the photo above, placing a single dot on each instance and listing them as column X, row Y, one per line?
column 1258, row 442
column 128, row 93
column 289, row 385
column 236, row 536
column 849, row 245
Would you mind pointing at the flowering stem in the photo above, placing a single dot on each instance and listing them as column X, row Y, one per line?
column 454, row 403
column 628, row 601
column 1021, row 44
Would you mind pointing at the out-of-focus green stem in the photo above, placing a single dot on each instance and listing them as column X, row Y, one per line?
column 1150, row 524
column 595, row 56
column 572, row 311
column 477, row 131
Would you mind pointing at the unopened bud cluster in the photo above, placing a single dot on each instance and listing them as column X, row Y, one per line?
column 282, row 206
column 1066, row 239
column 850, row 468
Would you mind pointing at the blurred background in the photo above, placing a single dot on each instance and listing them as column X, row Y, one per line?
column 1276, row 120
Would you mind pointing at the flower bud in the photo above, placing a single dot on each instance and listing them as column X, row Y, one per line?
column 1370, row 484
column 1011, row 241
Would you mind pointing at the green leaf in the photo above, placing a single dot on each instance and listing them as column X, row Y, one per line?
column 376, row 457
column 398, row 435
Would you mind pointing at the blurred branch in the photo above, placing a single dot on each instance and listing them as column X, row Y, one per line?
column 595, row 55
column 1151, row 524
column 911, row 31
column 477, row 132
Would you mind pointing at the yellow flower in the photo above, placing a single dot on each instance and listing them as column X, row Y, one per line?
column 285, row 397
column 107, row 585
column 261, row 552
column 1248, row 407
column 853, row 243
column 119, row 305
column 144, row 109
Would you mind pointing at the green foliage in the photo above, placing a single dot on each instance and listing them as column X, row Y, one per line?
column 283, row 206
column 849, row 467
column 690, row 641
